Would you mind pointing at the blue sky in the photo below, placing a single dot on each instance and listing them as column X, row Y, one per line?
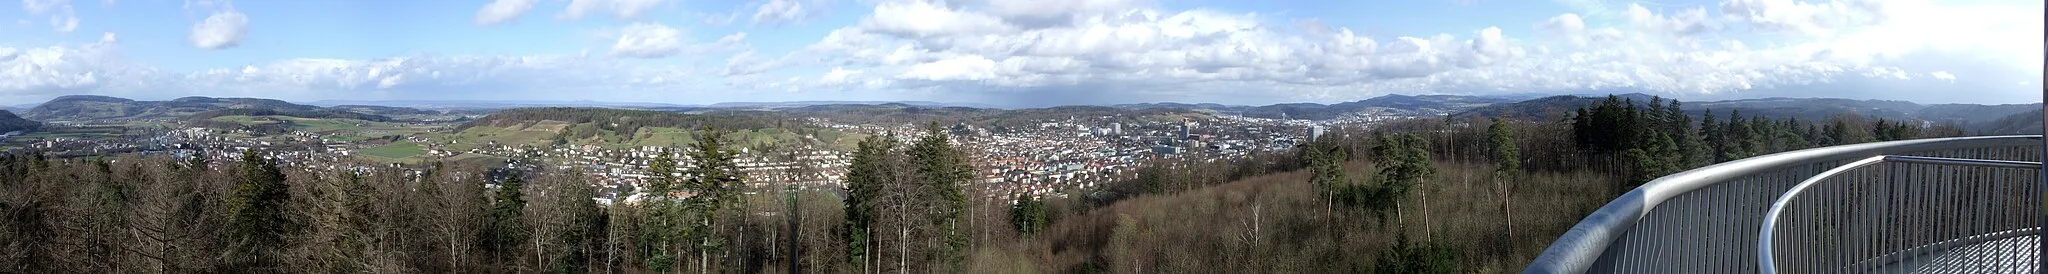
column 1020, row 53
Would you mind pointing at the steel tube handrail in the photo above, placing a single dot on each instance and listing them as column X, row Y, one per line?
column 1586, row 243
column 1766, row 260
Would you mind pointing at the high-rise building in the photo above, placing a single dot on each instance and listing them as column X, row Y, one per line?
column 1116, row 128
column 1315, row 132
column 1184, row 129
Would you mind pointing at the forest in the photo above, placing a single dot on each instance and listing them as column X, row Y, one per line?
column 1417, row 196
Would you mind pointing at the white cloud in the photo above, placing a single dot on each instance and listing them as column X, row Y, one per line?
column 648, row 40
column 65, row 22
column 1806, row 17
column 838, row 75
column 1053, row 13
column 1685, row 23
column 1076, row 51
column 63, row 19
column 1943, row 75
column 59, row 70
column 501, row 11
column 780, row 11
column 956, row 68
column 920, row 19
column 41, row 6
column 223, row 29
column 620, row 9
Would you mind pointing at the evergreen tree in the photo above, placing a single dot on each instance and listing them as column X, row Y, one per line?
column 864, row 180
column 1714, row 138
column 713, row 179
column 1326, row 170
column 1735, row 141
column 1028, row 215
column 1508, row 167
column 508, row 221
column 1691, row 152
column 1758, row 141
column 944, row 170
column 1653, row 159
column 1404, row 163
column 661, row 231
column 257, row 222
column 1502, row 140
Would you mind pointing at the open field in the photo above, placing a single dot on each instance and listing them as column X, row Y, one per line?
column 398, row 150
column 545, row 132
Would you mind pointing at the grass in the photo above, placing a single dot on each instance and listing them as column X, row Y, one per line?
column 399, row 150
column 472, row 159
column 475, row 136
column 369, row 129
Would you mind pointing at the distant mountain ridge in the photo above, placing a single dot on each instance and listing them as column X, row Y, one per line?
column 1810, row 109
column 93, row 107
column 1392, row 104
column 796, row 104
column 493, row 104
column 12, row 123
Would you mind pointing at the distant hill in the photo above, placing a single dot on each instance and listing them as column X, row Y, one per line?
column 91, row 107
column 316, row 114
column 2025, row 122
column 626, row 120
column 494, row 104
column 1381, row 105
column 1211, row 106
column 1394, row 104
column 627, row 127
column 11, row 123
column 384, row 110
column 1811, row 109
column 1553, row 107
column 988, row 117
column 795, row 104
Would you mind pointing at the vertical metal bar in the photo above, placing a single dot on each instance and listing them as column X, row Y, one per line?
column 1891, row 214
column 1697, row 205
column 1915, row 234
column 1838, row 223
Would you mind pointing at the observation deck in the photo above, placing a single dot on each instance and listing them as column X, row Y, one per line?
column 1946, row 205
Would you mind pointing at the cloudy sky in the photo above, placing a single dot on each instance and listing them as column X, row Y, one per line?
column 1020, row 53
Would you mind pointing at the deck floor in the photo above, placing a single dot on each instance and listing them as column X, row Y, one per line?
column 2010, row 255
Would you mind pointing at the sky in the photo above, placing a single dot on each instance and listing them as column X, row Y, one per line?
column 1018, row 53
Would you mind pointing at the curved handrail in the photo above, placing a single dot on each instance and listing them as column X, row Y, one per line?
column 1579, row 248
column 1767, row 261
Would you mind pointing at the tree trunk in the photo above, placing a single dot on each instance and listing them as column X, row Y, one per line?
column 903, row 232
column 704, row 256
column 538, row 262
column 1508, row 217
column 1426, row 230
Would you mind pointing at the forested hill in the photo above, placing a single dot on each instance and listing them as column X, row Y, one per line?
column 91, row 107
column 316, row 114
column 10, row 123
column 1810, row 109
column 2028, row 122
column 1389, row 104
column 894, row 113
column 629, row 121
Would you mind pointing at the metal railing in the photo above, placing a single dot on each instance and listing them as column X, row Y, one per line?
column 1897, row 212
column 1707, row 219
